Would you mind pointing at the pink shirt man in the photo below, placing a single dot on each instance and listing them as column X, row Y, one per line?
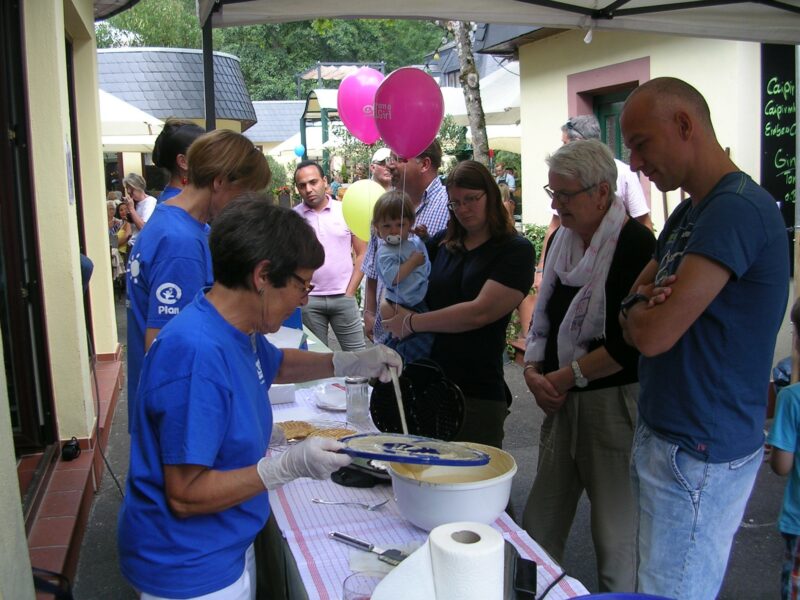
column 332, row 303
column 334, row 235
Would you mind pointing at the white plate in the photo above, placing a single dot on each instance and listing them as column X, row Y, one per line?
column 330, row 396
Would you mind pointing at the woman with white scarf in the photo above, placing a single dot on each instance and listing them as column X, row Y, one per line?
column 579, row 368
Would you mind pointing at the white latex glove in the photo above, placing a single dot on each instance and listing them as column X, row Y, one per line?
column 373, row 362
column 315, row 457
column 278, row 436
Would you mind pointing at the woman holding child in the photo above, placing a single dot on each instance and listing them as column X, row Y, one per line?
column 580, row 370
column 481, row 269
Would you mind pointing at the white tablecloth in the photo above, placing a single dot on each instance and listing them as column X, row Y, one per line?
column 323, row 563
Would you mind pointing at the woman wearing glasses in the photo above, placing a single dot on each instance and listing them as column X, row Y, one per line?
column 197, row 485
column 481, row 269
column 580, row 370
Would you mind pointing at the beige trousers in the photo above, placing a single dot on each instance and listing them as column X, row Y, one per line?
column 587, row 446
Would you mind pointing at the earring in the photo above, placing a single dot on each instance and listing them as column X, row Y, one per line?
column 261, row 291
column 184, row 180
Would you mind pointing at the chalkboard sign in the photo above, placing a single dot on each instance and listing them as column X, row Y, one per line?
column 779, row 128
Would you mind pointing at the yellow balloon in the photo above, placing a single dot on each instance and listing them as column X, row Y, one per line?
column 357, row 204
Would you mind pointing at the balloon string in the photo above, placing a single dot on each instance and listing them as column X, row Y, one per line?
column 400, row 245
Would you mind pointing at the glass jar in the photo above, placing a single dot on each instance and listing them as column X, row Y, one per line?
column 357, row 392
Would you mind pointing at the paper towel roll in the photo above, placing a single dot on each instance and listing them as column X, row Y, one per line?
column 460, row 561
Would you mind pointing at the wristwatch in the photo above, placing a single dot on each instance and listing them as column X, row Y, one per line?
column 580, row 380
column 628, row 302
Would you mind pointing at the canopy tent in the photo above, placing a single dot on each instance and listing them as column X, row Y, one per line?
column 284, row 152
column 499, row 98
column 766, row 21
column 126, row 128
column 775, row 21
column 503, row 137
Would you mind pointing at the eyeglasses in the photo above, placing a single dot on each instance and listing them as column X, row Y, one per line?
column 467, row 201
column 306, row 286
column 565, row 197
column 571, row 126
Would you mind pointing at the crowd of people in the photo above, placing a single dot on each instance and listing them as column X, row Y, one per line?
column 648, row 357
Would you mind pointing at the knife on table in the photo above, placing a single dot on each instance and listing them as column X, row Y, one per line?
column 391, row 556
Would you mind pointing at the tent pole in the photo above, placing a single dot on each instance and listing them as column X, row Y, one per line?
column 795, row 355
column 208, row 76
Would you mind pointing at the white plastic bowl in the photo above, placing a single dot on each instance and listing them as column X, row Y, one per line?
column 432, row 496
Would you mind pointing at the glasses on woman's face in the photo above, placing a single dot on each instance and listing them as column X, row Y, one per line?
column 306, row 286
column 454, row 205
column 565, row 197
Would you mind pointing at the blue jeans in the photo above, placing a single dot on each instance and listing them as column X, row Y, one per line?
column 689, row 510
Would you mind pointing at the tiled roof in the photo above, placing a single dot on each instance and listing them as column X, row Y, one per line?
column 276, row 120
column 168, row 82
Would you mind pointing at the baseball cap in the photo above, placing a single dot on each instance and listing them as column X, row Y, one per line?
column 381, row 154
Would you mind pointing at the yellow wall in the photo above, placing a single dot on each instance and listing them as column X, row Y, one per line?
column 131, row 163
column 47, row 23
column 727, row 73
column 15, row 566
column 80, row 28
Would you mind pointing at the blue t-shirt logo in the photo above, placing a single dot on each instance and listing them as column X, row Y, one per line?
column 168, row 294
column 134, row 267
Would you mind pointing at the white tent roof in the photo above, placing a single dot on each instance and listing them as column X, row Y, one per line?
column 776, row 21
column 502, row 137
column 314, row 145
column 499, row 98
column 126, row 128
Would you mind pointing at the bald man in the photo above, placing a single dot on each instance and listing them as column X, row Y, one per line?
column 704, row 313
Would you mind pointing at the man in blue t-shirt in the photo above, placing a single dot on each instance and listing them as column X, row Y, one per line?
column 704, row 314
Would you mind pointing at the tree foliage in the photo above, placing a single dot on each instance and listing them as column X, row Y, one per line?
column 152, row 23
column 271, row 54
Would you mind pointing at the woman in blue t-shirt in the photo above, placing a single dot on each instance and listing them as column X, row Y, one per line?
column 197, row 485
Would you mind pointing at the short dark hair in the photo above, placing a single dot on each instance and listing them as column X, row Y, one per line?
column 472, row 175
column 308, row 163
column 174, row 139
column 393, row 205
column 434, row 153
column 251, row 229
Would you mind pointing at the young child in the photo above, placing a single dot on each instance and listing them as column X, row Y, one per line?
column 403, row 267
column 784, row 436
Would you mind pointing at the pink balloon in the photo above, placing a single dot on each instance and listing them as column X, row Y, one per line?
column 355, row 100
column 409, row 109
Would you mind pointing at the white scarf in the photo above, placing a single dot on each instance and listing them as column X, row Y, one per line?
column 585, row 319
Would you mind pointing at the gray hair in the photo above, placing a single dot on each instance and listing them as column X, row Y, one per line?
column 582, row 127
column 588, row 161
column 111, row 204
column 135, row 181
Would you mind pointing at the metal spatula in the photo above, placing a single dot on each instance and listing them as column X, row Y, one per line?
column 391, row 556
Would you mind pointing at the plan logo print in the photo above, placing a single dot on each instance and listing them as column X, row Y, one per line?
column 168, row 294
